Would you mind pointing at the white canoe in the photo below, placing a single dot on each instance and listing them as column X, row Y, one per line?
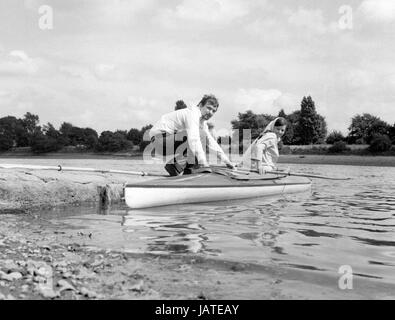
column 197, row 188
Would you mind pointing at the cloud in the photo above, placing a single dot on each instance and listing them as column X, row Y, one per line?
column 288, row 102
column 104, row 70
column 359, row 78
column 6, row 97
column 140, row 102
column 4, row 94
column 77, row 72
column 264, row 101
column 391, row 80
column 87, row 14
column 378, row 10
column 137, row 111
column 30, row 4
column 262, row 26
column 311, row 20
column 214, row 12
column 290, row 26
column 18, row 63
column 119, row 12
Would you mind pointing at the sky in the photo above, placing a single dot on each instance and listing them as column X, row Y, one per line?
column 121, row 64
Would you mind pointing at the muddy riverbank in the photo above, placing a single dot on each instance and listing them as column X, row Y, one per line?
column 23, row 190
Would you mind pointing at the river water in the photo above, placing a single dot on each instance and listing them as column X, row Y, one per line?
column 339, row 223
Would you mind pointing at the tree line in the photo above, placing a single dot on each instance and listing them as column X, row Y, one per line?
column 27, row 132
column 305, row 127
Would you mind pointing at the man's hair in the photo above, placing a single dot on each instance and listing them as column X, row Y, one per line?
column 180, row 104
column 209, row 98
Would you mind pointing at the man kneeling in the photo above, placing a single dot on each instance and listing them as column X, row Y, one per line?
column 179, row 134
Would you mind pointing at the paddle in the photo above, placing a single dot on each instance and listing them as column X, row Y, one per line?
column 283, row 173
column 61, row 168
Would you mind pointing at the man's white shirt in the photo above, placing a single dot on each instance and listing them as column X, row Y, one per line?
column 188, row 120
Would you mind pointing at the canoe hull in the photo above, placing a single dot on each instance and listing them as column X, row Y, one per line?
column 207, row 189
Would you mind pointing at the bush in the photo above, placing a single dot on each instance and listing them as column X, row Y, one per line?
column 42, row 144
column 380, row 143
column 338, row 147
column 334, row 136
column 112, row 142
column 6, row 142
column 286, row 150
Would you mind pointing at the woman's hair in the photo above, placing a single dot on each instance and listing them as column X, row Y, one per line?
column 209, row 98
column 280, row 122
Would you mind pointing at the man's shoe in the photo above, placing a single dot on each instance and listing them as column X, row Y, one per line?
column 174, row 169
column 188, row 168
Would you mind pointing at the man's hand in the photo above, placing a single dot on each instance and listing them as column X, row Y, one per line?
column 231, row 165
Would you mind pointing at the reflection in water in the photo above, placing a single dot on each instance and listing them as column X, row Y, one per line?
column 171, row 234
column 182, row 230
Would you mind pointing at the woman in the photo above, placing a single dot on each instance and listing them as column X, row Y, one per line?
column 263, row 153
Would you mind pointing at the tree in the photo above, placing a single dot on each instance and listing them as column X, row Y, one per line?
column 322, row 131
column 43, row 144
column 364, row 127
column 124, row 133
column 312, row 126
column 392, row 134
column 379, row 127
column 31, row 128
column 7, row 132
column 293, row 123
column 47, row 140
column 22, row 137
column 6, row 142
column 135, row 136
column 50, row 131
column 145, row 141
column 112, row 141
column 380, row 143
column 91, row 138
column 334, row 136
column 74, row 136
column 180, row 104
column 250, row 121
column 66, row 131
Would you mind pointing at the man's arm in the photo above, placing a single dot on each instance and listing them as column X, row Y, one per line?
column 215, row 147
column 192, row 126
